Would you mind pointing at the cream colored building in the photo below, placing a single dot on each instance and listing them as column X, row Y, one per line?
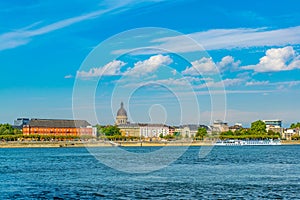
column 288, row 133
column 153, row 130
column 130, row 130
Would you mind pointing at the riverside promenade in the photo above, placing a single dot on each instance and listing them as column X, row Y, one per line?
column 60, row 144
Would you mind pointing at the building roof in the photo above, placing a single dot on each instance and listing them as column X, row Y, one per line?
column 137, row 125
column 152, row 125
column 220, row 122
column 58, row 123
column 192, row 127
column 122, row 111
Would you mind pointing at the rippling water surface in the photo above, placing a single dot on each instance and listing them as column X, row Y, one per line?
column 226, row 172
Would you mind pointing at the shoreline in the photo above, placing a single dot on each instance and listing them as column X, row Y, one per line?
column 78, row 144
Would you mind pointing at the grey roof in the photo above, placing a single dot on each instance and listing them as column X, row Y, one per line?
column 152, row 125
column 58, row 123
column 129, row 125
column 194, row 127
column 137, row 125
column 122, row 111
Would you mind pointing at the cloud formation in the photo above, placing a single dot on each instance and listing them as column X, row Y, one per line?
column 277, row 59
column 140, row 68
column 68, row 76
column 203, row 65
column 233, row 38
column 257, row 83
column 216, row 39
column 148, row 66
column 24, row 35
column 112, row 68
column 207, row 66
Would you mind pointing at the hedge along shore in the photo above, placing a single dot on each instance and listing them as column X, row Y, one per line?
column 59, row 144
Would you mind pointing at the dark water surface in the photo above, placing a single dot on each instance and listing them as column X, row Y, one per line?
column 271, row 172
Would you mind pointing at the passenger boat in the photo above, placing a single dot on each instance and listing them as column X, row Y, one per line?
column 247, row 142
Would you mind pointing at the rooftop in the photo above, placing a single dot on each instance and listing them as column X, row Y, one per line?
column 58, row 123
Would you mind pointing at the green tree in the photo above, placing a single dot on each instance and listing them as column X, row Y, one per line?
column 6, row 129
column 258, row 128
column 201, row 133
column 110, row 130
column 297, row 125
column 169, row 137
column 295, row 137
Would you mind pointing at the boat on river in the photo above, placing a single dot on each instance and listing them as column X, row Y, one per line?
column 247, row 142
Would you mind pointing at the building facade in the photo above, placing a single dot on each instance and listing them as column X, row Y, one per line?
column 130, row 130
column 219, row 126
column 189, row 130
column 289, row 133
column 59, row 127
column 274, row 125
column 153, row 130
column 20, row 122
column 144, row 130
column 121, row 118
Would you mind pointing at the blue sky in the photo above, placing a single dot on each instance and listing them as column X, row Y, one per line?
column 251, row 50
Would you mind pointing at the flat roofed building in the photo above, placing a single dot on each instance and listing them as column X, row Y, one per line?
column 274, row 123
column 20, row 122
column 58, row 127
column 289, row 133
column 220, row 126
column 154, row 130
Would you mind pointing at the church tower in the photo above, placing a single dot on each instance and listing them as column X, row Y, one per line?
column 121, row 115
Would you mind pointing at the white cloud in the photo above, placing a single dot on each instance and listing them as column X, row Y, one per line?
column 225, row 39
column 140, row 68
column 203, row 65
column 170, row 82
column 68, row 76
column 148, row 66
column 257, row 83
column 232, row 82
column 207, row 66
column 228, row 63
column 285, row 84
column 23, row 36
column 220, row 84
column 110, row 69
column 277, row 59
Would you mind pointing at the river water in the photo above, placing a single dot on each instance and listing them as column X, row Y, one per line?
column 241, row 172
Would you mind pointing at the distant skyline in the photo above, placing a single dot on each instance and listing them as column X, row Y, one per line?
column 254, row 45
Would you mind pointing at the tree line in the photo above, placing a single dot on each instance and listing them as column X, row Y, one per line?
column 257, row 131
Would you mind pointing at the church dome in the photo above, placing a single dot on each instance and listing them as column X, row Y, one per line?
column 122, row 111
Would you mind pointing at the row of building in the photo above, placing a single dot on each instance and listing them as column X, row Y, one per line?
column 145, row 130
column 190, row 130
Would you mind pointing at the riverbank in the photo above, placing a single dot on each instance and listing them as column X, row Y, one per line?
column 57, row 144
column 60, row 144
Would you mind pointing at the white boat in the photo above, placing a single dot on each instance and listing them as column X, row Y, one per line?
column 247, row 142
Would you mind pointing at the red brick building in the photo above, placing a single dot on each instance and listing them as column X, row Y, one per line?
column 58, row 127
